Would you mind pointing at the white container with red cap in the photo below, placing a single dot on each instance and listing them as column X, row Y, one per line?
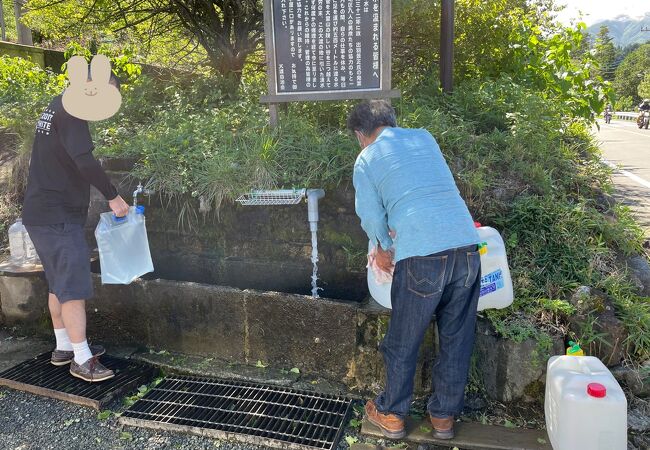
column 585, row 406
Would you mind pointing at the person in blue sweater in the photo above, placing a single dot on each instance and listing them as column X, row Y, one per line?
column 404, row 188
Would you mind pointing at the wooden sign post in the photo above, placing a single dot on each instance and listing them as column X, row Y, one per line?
column 327, row 50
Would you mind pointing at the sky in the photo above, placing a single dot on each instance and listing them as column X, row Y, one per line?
column 597, row 10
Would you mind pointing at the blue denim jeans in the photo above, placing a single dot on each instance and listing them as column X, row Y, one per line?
column 445, row 285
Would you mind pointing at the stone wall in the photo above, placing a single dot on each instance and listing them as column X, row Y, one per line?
column 338, row 340
column 35, row 54
column 251, row 247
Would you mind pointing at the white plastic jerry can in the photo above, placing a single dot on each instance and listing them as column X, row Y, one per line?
column 124, row 253
column 496, row 282
column 585, row 407
column 379, row 291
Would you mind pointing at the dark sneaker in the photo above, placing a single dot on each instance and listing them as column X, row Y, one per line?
column 391, row 426
column 443, row 428
column 63, row 357
column 92, row 371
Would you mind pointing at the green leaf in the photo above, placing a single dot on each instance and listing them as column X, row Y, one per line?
column 425, row 429
column 142, row 389
column 104, row 414
column 351, row 440
column 261, row 365
column 126, row 436
column 355, row 423
column 509, row 424
column 295, row 370
column 541, row 441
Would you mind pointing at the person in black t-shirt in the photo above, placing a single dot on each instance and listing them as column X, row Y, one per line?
column 55, row 209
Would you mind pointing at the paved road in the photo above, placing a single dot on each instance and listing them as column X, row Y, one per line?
column 627, row 147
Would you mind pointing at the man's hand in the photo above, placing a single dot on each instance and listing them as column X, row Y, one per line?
column 119, row 206
column 384, row 259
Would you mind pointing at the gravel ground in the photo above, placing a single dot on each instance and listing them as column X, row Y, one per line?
column 30, row 422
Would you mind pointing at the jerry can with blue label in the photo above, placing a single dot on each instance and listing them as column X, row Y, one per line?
column 496, row 282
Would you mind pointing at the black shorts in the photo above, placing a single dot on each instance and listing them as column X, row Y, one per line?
column 66, row 259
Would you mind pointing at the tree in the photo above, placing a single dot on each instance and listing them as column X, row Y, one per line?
column 644, row 87
column 228, row 31
column 605, row 54
column 631, row 72
column 24, row 33
column 3, row 34
column 483, row 44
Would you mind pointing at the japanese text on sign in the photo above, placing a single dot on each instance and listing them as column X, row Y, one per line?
column 327, row 45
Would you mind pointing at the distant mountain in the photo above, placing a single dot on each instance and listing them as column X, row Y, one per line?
column 625, row 30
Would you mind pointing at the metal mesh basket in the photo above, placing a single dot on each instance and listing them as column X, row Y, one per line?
column 270, row 198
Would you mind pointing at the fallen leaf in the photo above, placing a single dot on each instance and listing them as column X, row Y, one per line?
column 261, row 365
column 126, row 436
column 509, row 424
column 355, row 423
column 541, row 441
column 425, row 429
column 351, row 440
column 295, row 370
column 104, row 414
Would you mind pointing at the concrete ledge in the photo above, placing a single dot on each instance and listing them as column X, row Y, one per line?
column 318, row 336
column 35, row 54
column 471, row 436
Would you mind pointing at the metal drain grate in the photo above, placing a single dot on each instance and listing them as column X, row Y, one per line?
column 247, row 412
column 40, row 377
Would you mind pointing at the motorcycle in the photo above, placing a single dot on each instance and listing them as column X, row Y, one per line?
column 644, row 120
column 608, row 116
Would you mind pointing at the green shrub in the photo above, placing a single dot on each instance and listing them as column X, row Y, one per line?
column 25, row 90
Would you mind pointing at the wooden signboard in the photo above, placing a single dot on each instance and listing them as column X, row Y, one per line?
column 327, row 50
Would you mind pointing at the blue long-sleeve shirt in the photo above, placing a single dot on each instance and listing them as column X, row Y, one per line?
column 402, row 183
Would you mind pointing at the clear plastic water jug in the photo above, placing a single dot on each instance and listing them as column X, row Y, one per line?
column 16, row 241
column 496, row 282
column 585, row 407
column 123, row 247
column 31, row 256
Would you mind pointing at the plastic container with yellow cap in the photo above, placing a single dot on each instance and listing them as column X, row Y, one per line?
column 574, row 349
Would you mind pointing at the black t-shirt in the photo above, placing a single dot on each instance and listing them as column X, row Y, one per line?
column 61, row 170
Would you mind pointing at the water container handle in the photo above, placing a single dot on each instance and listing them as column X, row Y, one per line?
column 119, row 219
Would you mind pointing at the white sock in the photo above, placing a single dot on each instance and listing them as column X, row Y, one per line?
column 62, row 340
column 81, row 352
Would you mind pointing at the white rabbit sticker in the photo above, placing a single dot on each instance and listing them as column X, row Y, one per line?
column 91, row 98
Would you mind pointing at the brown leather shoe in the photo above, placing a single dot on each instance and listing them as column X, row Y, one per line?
column 92, row 371
column 390, row 425
column 63, row 357
column 443, row 428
